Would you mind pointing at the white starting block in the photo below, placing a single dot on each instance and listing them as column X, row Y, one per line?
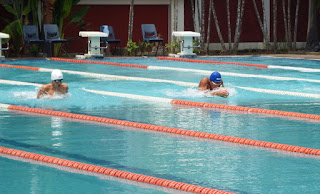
column 3, row 35
column 186, row 44
column 93, row 44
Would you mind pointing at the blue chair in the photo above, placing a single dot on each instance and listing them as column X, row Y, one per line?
column 111, row 38
column 31, row 35
column 51, row 36
column 149, row 35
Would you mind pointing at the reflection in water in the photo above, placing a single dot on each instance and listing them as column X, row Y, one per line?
column 57, row 124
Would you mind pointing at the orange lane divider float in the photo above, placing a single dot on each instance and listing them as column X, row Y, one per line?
column 110, row 172
column 184, row 132
column 205, row 61
column 247, row 109
column 98, row 62
column 207, row 105
column 20, row 67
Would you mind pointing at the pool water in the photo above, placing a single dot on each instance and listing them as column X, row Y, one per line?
column 214, row 164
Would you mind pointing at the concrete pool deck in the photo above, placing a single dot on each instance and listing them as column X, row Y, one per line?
column 308, row 56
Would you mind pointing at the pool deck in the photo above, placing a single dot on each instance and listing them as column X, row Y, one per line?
column 309, row 56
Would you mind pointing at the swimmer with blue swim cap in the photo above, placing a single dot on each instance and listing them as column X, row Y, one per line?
column 55, row 87
column 214, row 82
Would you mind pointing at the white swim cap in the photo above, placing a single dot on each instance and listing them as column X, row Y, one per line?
column 56, row 75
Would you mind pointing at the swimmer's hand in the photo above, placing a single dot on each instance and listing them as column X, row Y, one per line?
column 222, row 93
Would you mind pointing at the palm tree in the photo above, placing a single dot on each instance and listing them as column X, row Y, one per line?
column 296, row 26
column 285, row 22
column 131, row 13
column 217, row 27
column 275, row 44
column 48, row 6
column 229, row 26
column 263, row 26
column 312, row 32
column 238, row 25
column 209, row 25
column 202, row 26
column 289, row 25
column 193, row 15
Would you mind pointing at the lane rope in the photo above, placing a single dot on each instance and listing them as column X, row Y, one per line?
column 280, row 92
column 10, row 82
column 203, row 72
column 177, row 131
column 97, row 62
column 186, row 84
column 206, row 61
column 110, row 172
column 301, row 69
column 206, row 105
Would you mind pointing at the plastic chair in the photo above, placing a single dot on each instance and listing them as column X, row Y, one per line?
column 31, row 34
column 149, row 34
column 111, row 38
column 51, row 36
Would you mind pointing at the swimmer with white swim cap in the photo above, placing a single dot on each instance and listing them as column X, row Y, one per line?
column 55, row 87
column 213, row 83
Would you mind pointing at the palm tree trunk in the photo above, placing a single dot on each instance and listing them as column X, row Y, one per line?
column 262, row 27
column 289, row 26
column 239, row 25
column 285, row 22
column 48, row 11
column 218, row 28
column 296, row 26
column 175, row 19
column 131, row 13
column 275, row 43
column 312, row 32
column 175, row 24
column 193, row 15
column 209, row 25
column 199, row 14
column 265, row 26
column 229, row 26
column 202, row 25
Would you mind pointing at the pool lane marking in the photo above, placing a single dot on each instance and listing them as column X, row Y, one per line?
column 131, row 96
column 279, row 92
column 119, row 77
column 20, row 67
column 302, row 69
column 186, row 84
column 207, row 61
column 89, row 173
column 184, row 132
column 109, row 171
column 203, row 72
column 97, row 62
column 10, row 82
column 207, row 105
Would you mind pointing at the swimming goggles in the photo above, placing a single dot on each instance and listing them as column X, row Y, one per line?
column 58, row 80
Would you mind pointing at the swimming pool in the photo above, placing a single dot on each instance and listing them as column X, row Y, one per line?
column 209, row 163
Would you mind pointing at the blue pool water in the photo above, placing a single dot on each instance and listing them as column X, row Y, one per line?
column 219, row 165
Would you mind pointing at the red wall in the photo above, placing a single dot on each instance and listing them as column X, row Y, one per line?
column 118, row 17
column 251, row 31
column 302, row 21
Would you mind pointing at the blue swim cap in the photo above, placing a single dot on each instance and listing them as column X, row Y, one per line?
column 215, row 77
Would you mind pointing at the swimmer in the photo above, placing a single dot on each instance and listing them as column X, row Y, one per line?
column 56, row 86
column 213, row 83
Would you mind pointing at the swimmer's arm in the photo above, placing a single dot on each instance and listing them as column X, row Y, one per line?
column 42, row 91
column 222, row 93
